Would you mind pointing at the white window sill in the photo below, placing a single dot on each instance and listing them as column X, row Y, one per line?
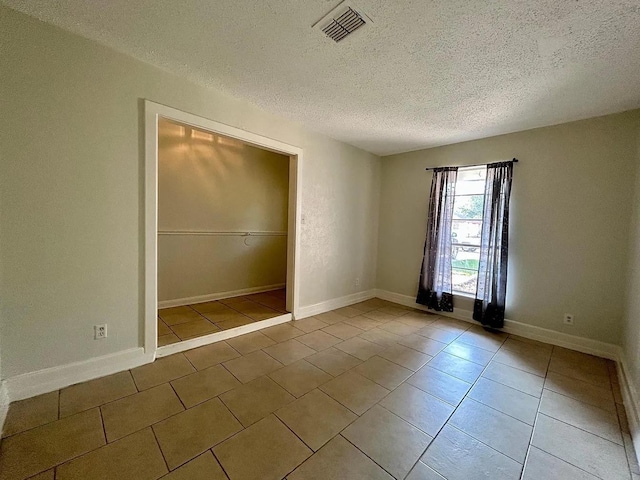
column 464, row 294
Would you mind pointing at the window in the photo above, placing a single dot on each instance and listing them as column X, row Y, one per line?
column 466, row 229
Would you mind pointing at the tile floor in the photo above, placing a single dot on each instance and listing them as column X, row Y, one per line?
column 190, row 321
column 371, row 391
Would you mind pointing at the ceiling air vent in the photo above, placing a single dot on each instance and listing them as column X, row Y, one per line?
column 341, row 27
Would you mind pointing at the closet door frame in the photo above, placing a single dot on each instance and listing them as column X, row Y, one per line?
column 152, row 113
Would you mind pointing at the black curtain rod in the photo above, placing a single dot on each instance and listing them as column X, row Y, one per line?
column 515, row 160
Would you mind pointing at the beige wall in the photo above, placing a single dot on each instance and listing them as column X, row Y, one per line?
column 570, row 211
column 215, row 184
column 631, row 326
column 71, row 190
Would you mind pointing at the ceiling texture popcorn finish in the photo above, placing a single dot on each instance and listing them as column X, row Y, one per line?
column 421, row 74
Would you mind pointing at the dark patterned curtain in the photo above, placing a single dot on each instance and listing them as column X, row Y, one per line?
column 434, row 290
column 489, row 305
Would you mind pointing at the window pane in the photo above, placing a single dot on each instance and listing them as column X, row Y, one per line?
column 464, row 280
column 465, row 257
column 466, row 231
column 471, row 181
column 467, row 207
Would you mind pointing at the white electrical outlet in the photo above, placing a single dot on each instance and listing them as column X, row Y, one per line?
column 568, row 319
column 357, row 281
column 99, row 332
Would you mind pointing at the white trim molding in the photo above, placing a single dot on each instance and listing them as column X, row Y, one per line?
column 631, row 401
column 152, row 113
column 334, row 303
column 50, row 379
column 178, row 302
column 581, row 344
column 4, row 405
column 223, row 335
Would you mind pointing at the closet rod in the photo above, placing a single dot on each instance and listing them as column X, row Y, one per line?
column 223, row 234
column 515, row 160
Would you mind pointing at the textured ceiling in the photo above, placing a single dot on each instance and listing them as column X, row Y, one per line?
column 423, row 73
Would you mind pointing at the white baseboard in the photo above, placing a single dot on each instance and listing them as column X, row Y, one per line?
column 4, row 405
column 630, row 399
column 581, row 344
column 219, row 336
column 178, row 302
column 334, row 303
column 54, row 378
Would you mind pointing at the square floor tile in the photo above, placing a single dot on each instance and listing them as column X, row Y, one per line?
column 204, row 467
column 439, row 384
column 196, row 328
column 383, row 372
column 252, row 365
column 514, row 378
column 589, row 452
column 381, row 337
column 289, row 351
column 300, row 377
column 362, row 322
column 163, row 329
column 542, row 465
column 318, row 340
column 255, row 400
column 138, row 411
column 405, row 357
column 468, row 352
column 391, row 442
column 183, row 316
column 354, row 391
column 456, row 367
column 379, row 316
column 342, row 330
column 333, row 361
column 267, row 450
column 210, row 355
column 443, row 336
column 339, row 459
column 536, row 364
column 457, row 456
column 168, row 339
column 161, row 371
column 250, row 342
column 399, row 328
column 423, row 472
column 348, row 312
column 136, row 457
column 581, row 391
column 224, row 315
column 206, row 307
column 508, row 400
column 188, row 434
column 603, row 423
column 330, row 317
column 493, row 428
column 282, row 332
column 237, row 321
column 451, row 325
column 309, row 324
column 481, row 338
column 422, row 344
column 41, row 448
column 203, row 385
column 48, row 475
column 94, row 393
column 316, row 418
column 359, row 348
column 597, row 374
column 425, row 411
column 30, row 413
column 417, row 319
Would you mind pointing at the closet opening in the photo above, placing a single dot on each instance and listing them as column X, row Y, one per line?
column 222, row 262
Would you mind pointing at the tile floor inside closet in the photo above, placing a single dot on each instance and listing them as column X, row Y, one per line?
column 375, row 391
column 191, row 321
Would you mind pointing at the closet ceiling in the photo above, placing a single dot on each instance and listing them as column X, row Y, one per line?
column 418, row 74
